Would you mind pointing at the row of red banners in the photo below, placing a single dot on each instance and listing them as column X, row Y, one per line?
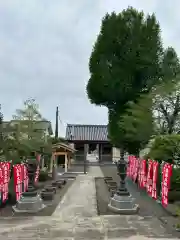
column 147, row 176
column 21, row 180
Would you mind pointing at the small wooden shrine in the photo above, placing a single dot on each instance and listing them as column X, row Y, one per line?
column 62, row 155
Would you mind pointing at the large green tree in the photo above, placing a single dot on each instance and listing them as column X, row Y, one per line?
column 125, row 63
column 125, row 60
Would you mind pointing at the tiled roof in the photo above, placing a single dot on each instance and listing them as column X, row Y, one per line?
column 86, row 132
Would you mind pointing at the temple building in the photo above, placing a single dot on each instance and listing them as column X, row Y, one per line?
column 91, row 139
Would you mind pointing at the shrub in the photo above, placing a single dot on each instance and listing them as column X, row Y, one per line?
column 43, row 176
column 175, row 179
column 11, row 193
column 165, row 148
column 173, row 196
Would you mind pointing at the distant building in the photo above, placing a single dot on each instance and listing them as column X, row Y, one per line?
column 91, row 138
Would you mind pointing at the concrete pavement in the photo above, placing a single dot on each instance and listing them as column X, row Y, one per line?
column 76, row 218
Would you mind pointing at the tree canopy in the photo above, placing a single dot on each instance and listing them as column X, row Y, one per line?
column 29, row 112
column 25, row 134
column 127, row 65
column 166, row 96
column 27, row 118
column 126, row 58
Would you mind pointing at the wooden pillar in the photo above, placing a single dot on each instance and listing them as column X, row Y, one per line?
column 54, row 167
column 69, row 161
column 97, row 151
column 66, row 162
column 85, row 157
column 87, row 145
column 100, row 152
column 51, row 162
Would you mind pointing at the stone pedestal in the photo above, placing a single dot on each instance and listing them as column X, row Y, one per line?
column 29, row 204
column 123, row 204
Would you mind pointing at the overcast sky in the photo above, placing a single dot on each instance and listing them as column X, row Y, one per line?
column 45, row 47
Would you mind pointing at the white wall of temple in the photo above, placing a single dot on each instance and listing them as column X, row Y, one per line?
column 115, row 154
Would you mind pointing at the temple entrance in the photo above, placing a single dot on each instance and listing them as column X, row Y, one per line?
column 93, row 153
column 61, row 160
column 92, row 148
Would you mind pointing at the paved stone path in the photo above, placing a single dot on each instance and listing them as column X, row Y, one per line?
column 76, row 218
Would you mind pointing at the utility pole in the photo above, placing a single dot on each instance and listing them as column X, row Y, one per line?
column 54, row 169
column 56, row 127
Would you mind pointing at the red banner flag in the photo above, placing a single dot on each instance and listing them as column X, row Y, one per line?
column 149, row 177
column 154, row 180
column 17, row 180
column 136, row 168
column 142, row 174
column 5, row 180
column 166, row 179
column 38, row 158
column 26, row 179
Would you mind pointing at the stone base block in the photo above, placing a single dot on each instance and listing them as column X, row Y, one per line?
column 123, row 205
column 131, row 211
column 29, row 205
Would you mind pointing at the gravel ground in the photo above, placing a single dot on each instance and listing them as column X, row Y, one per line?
column 102, row 197
column 148, row 207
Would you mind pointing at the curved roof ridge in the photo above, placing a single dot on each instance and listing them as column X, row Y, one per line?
column 87, row 132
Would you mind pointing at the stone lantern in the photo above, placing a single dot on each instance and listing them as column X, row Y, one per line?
column 122, row 201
